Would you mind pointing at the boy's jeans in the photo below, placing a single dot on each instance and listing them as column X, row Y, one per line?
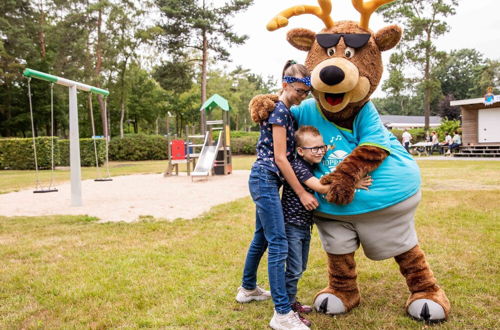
column 269, row 232
column 299, row 239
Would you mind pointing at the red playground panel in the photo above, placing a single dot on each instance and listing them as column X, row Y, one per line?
column 178, row 150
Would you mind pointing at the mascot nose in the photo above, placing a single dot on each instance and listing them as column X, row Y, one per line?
column 331, row 75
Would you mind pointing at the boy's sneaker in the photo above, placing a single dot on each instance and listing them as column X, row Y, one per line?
column 258, row 294
column 299, row 308
column 288, row 321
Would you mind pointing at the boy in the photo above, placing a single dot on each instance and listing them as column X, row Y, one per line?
column 298, row 220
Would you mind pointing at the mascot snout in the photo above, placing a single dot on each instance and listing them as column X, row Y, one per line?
column 336, row 83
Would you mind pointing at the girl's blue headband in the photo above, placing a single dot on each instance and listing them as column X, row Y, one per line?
column 306, row 80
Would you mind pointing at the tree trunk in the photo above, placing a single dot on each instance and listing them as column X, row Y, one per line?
column 122, row 95
column 122, row 118
column 7, row 113
column 204, row 61
column 41, row 35
column 98, row 67
column 427, row 90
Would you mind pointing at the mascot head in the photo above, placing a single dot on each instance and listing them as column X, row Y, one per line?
column 344, row 58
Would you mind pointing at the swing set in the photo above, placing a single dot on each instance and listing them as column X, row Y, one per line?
column 74, row 150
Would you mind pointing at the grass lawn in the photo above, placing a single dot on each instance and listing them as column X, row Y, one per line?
column 71, row 272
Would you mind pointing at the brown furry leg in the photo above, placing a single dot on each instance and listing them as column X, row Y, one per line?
column 342, row 280
column 420, row 279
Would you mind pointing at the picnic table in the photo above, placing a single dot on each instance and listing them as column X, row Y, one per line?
column 421, row 148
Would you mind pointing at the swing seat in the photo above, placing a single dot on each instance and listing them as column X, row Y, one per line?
column 103, row 179
column 42, row 191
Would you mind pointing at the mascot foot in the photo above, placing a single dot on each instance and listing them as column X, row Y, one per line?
column 427, row 302
column 328, row 303
column 426, row 310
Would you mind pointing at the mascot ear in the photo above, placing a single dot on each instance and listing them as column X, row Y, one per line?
column 388, row 37
column 302, row 39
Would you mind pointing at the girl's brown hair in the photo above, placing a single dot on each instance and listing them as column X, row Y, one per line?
column 293, row 69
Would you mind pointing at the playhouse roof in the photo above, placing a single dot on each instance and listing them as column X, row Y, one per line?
column 213, row 101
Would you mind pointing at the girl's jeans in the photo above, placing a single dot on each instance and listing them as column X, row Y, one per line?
column 299, row 239
column 269, row 232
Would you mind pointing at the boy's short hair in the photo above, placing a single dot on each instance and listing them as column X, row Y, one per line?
column 302, row 131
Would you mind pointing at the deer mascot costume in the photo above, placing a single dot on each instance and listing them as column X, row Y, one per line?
column 346, row 66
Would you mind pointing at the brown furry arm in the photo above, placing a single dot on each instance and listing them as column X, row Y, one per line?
column 261, row 105
column 362, row 160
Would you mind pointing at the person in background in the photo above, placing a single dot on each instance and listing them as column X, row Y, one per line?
column 435, row 142
column 447, row 143
column 406, row 139
column 456, row 142
column 427, row 136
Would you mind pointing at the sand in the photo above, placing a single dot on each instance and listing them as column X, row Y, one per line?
column 127, row 198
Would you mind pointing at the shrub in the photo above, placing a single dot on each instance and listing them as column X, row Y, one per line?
column 448, row 126
column 138, row 147
column 18, row 154
column 87, row 152
column 244, row 145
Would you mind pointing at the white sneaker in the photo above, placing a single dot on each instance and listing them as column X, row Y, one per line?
column 258, row 294
column 290, row 321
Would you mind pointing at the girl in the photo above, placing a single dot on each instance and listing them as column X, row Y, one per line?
column 275, row 151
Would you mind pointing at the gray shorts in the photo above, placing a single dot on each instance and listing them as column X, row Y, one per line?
column 383, row 233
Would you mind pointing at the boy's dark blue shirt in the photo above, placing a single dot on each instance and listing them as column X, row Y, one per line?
column 281, row 116
column 294, row 212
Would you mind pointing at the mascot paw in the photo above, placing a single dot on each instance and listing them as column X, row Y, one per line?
column 261, row 105
column 330, row 304
column 426, row 310
column 340, row 194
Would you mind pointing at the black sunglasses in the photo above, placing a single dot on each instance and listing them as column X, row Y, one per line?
column 316, row 150
column 353, row 40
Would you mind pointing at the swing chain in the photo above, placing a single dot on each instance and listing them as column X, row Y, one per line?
column 37, row 179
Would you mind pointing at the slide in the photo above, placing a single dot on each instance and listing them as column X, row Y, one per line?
column 207, row 158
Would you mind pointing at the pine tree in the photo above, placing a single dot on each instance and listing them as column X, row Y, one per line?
column 189, row 26
column 423, row 22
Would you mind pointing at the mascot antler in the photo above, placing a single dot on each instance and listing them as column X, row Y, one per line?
column 366, row 8
column 323, row 12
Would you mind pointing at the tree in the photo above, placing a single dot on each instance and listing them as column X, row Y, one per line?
column 445, row 110
column 423, row 22
column 146, row 101
column 460, row 73
column 190, row 26
column 127, row 35
column 490, row 77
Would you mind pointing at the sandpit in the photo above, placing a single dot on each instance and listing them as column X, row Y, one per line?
column 127, row 198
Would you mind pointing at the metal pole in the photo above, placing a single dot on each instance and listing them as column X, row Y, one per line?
column 74, row 149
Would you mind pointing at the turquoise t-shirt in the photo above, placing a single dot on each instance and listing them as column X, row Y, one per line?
column 396, row 179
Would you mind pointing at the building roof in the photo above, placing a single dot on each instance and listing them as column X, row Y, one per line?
column 409, row 121
column 473, row 101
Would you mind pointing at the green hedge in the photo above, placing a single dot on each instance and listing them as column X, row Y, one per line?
column 244, row 145
column 138, row 147
column 87, row 152
column 17, row 154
